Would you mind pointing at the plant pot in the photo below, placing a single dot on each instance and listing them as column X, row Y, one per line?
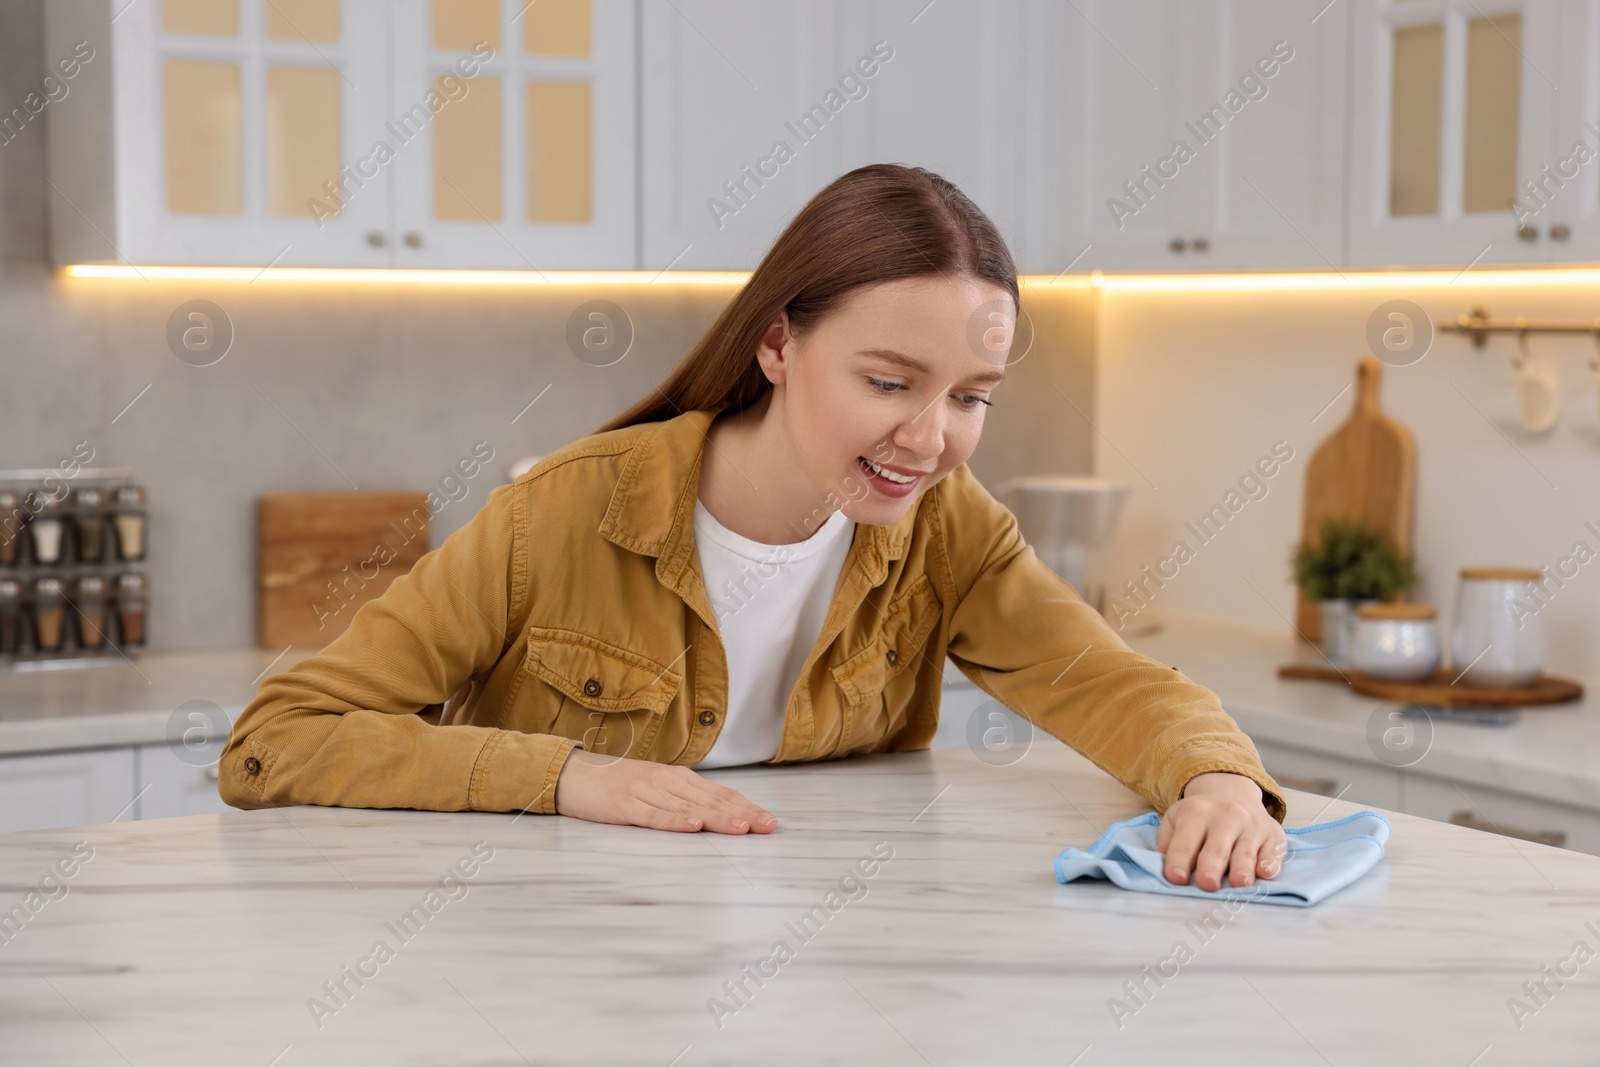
column 1338, row 616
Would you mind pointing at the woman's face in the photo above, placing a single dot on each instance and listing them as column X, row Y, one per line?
column 900, row 375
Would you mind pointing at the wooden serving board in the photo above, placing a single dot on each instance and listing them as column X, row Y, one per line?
column 1438, row 692
column 1366, row 469
column 323, row 555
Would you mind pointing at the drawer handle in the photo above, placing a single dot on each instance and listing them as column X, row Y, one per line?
column 1322, row 786
column 1558, row 838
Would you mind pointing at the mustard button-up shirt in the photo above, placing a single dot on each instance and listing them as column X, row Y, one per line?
column 571, row 612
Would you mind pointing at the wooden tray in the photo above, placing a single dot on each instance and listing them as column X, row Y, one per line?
column 1438, row 691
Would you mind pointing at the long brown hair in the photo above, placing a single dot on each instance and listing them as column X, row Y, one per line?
column 875, row 224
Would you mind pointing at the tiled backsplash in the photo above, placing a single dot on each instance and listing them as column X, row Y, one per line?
column 360, row 387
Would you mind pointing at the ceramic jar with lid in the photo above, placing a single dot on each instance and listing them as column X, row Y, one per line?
column 1498, row 639
column 1396, row 642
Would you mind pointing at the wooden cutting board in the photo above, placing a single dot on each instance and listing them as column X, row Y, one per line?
column 323, row 555
column 1366, row 469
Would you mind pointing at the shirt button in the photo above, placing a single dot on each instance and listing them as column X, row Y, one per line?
column 707, row 717
column 252, row 765
column 592, row 687
column 892, row 656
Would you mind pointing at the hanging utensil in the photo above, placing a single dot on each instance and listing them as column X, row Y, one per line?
column 1538, row 395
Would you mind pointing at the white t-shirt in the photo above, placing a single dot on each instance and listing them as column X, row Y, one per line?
column 770, row 602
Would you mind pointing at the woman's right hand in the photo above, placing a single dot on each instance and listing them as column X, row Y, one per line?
column 661, row 796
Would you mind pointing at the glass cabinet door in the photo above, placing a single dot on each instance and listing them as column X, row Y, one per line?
column 246, row 129
column 1564, row 201
column 1454, row 105
column 519, row 120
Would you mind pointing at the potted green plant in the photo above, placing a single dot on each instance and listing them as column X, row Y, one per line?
column 1350, row 564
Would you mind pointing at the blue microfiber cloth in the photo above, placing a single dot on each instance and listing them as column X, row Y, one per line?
column 1322, row 859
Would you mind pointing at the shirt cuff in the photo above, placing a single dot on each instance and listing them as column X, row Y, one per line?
column 517, row 772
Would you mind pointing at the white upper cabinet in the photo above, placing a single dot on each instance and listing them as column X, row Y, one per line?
column 741, row 110
column 208, row 129
column 486, row 133
column 1153, row 135
column 1127, row 66
column 530, row 162
column 749, row 109
column 1456, row 104
column 951, row 100
column 1564, row 203
column 1269, row 180
column 1214, row 133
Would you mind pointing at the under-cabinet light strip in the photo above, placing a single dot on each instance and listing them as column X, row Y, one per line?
column 401, row 276
column 1288, row 280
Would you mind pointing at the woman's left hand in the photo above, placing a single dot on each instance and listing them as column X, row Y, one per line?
column 1220, row 826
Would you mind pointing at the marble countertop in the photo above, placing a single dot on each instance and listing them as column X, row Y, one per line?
column 217, row 938
column 1551, row 752
column 129, row 703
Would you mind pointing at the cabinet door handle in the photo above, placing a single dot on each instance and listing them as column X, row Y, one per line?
column 1558, row 838
column 376, row 238
column 1528, row 233
column 1177, row 244
column 1200, row 244
column 1560, row 232
column 413, row 239
column 1323, row 786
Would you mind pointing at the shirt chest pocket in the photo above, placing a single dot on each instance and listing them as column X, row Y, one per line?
column 611, row 699
column 876, row 682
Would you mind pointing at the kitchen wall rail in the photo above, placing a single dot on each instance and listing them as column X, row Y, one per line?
column 1478, row 325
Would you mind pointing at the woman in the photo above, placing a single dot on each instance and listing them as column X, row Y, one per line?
column 804, row 467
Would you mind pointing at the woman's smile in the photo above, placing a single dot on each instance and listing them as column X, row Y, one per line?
column 887, row 480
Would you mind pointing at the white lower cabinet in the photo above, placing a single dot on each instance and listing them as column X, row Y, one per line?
column 175, row 786
column 42, row 791
column 1496, row 811
column 1331, row 776
column 1491, row 810
column 971, row 718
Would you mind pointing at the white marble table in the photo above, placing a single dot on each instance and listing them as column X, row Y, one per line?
column 202, row 940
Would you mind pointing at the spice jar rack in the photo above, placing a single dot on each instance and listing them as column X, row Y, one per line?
column 73, row 591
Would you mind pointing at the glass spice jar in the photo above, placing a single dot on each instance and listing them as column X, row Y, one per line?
column 49, row 614
column 10, row 616
column 131, row 599
column 90, row 607
column 11, row 519
column 47, row 528
column 89, row 523
column 130, row 520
